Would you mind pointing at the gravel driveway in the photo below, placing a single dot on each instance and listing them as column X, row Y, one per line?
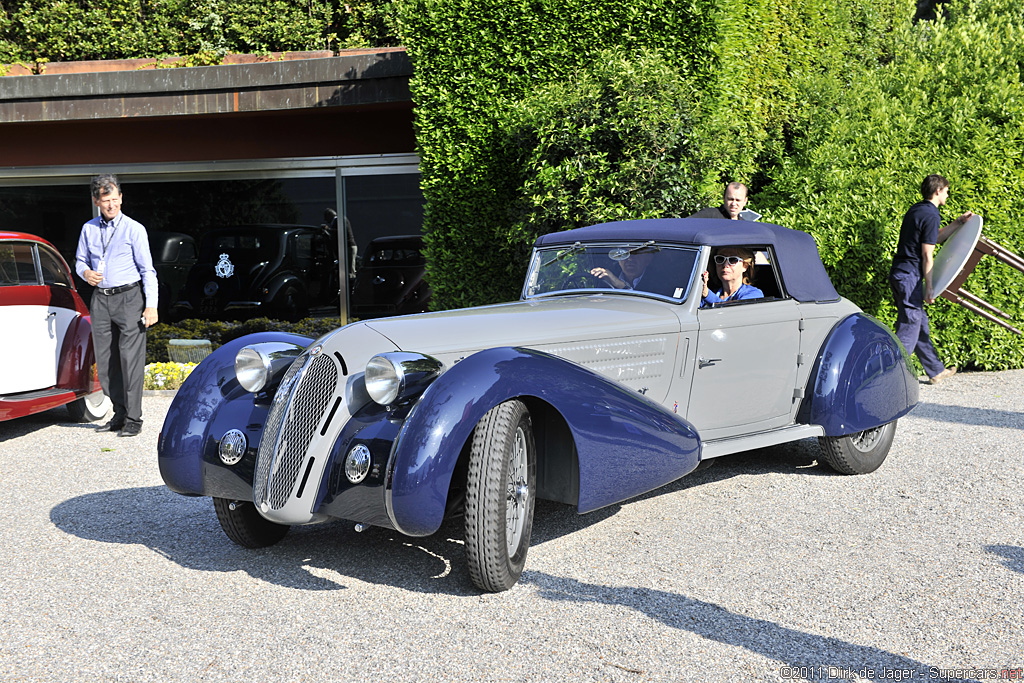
column 764, row 567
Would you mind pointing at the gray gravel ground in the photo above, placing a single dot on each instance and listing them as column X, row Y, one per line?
column 765, row 567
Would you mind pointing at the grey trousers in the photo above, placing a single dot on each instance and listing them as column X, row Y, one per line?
column 119, row 341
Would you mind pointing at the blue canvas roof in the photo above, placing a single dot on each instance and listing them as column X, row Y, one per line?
column 796, row 253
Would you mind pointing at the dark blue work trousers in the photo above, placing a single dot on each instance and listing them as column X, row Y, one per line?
column 912, row 321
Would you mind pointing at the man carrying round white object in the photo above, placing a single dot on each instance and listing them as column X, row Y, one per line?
column 910, row 277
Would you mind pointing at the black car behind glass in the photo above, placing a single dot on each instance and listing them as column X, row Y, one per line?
column 273, row 270
column 174, row 254
column 391, row 279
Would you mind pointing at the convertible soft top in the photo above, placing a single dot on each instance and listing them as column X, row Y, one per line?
column 795, row 251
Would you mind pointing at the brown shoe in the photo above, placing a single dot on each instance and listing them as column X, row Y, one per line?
column 948, row 372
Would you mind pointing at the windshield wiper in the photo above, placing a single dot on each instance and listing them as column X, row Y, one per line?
column 574, row 249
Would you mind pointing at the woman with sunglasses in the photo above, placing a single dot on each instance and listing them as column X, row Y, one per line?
column 735, row 267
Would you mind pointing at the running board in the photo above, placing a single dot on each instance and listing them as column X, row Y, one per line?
column 36, row 395
column 719, row 447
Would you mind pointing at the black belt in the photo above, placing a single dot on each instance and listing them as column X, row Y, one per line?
column 107, row 291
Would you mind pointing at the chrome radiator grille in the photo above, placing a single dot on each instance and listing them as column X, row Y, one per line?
column 298, row 408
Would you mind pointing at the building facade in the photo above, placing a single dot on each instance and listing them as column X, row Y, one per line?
column 277, row 139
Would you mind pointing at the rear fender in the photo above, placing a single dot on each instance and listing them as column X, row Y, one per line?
column 209, row 403
column 77, row 364
column 861, row 380
column 627, row 444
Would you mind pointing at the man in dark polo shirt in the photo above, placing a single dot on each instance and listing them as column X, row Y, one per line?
column 734, row 198
column 911, row 274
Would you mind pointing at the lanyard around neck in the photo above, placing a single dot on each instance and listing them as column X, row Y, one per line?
column 112, row 227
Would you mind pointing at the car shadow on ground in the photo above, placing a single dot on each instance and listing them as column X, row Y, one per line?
column 970, row 416
column 802, row 655
column 23, row 426
column 332, row 556
column 1013, row 556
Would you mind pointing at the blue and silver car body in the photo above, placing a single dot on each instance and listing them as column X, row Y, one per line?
column 612, row 393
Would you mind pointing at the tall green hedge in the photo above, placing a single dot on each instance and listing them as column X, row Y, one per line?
column 475, row 62
column 488, row 70
column 950, row 101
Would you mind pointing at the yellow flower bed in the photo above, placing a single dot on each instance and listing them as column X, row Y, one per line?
column 166, row 375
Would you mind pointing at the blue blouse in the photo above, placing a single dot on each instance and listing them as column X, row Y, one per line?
column 744, row 292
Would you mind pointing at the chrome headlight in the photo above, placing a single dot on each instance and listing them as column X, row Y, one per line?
column 398, row 376
column 260, row 365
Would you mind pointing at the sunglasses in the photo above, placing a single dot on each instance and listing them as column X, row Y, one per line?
column 731, row 260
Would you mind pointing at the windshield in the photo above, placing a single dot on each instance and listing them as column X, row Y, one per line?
column 625, row 267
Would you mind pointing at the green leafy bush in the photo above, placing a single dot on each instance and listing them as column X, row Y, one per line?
column 614, row 141
column 950, row 101
column 201, row 31
column 220, row 333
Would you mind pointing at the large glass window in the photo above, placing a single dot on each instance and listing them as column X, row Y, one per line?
column 378, row 205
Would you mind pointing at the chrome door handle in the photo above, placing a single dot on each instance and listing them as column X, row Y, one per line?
column 703, row 362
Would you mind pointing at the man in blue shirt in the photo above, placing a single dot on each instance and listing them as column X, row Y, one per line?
column 912, row 263
column 113, row 256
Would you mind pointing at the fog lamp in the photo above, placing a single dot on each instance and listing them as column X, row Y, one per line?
column 357, row 463
column 232, row 447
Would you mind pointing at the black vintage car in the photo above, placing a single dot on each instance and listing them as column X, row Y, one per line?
column 278, row 271
column 174, row 254
column 390, row 280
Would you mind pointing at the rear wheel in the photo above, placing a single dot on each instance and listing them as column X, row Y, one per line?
column 858, row 453
column 243, row 524
column 89, row 408
column 501, row 487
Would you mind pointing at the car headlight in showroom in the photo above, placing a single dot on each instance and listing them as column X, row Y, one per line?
column 399, row 376
column 258, row 366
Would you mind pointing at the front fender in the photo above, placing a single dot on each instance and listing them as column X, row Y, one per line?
column 627, row 444
column 861, row 380
column 209, row 403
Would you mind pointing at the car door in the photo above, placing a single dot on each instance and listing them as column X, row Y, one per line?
column 35, row 300
column 745, row 369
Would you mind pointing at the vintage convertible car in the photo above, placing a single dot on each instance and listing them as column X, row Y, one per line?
column 46, row 356
column 577, row 393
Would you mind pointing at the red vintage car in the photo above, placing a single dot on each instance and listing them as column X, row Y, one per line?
column 46, row 355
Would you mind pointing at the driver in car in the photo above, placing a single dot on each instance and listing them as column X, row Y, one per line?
column 631, row 271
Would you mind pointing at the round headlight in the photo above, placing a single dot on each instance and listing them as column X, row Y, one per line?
column 382, row 380
column 251, row 369
column 357, row 464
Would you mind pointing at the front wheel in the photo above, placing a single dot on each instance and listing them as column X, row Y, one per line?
column 244, row 525
column 858, row 453
column 501, row 488
column 89, row 408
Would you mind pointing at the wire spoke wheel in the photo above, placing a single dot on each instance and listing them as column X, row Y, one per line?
column 501, row 486
column 858, row 453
